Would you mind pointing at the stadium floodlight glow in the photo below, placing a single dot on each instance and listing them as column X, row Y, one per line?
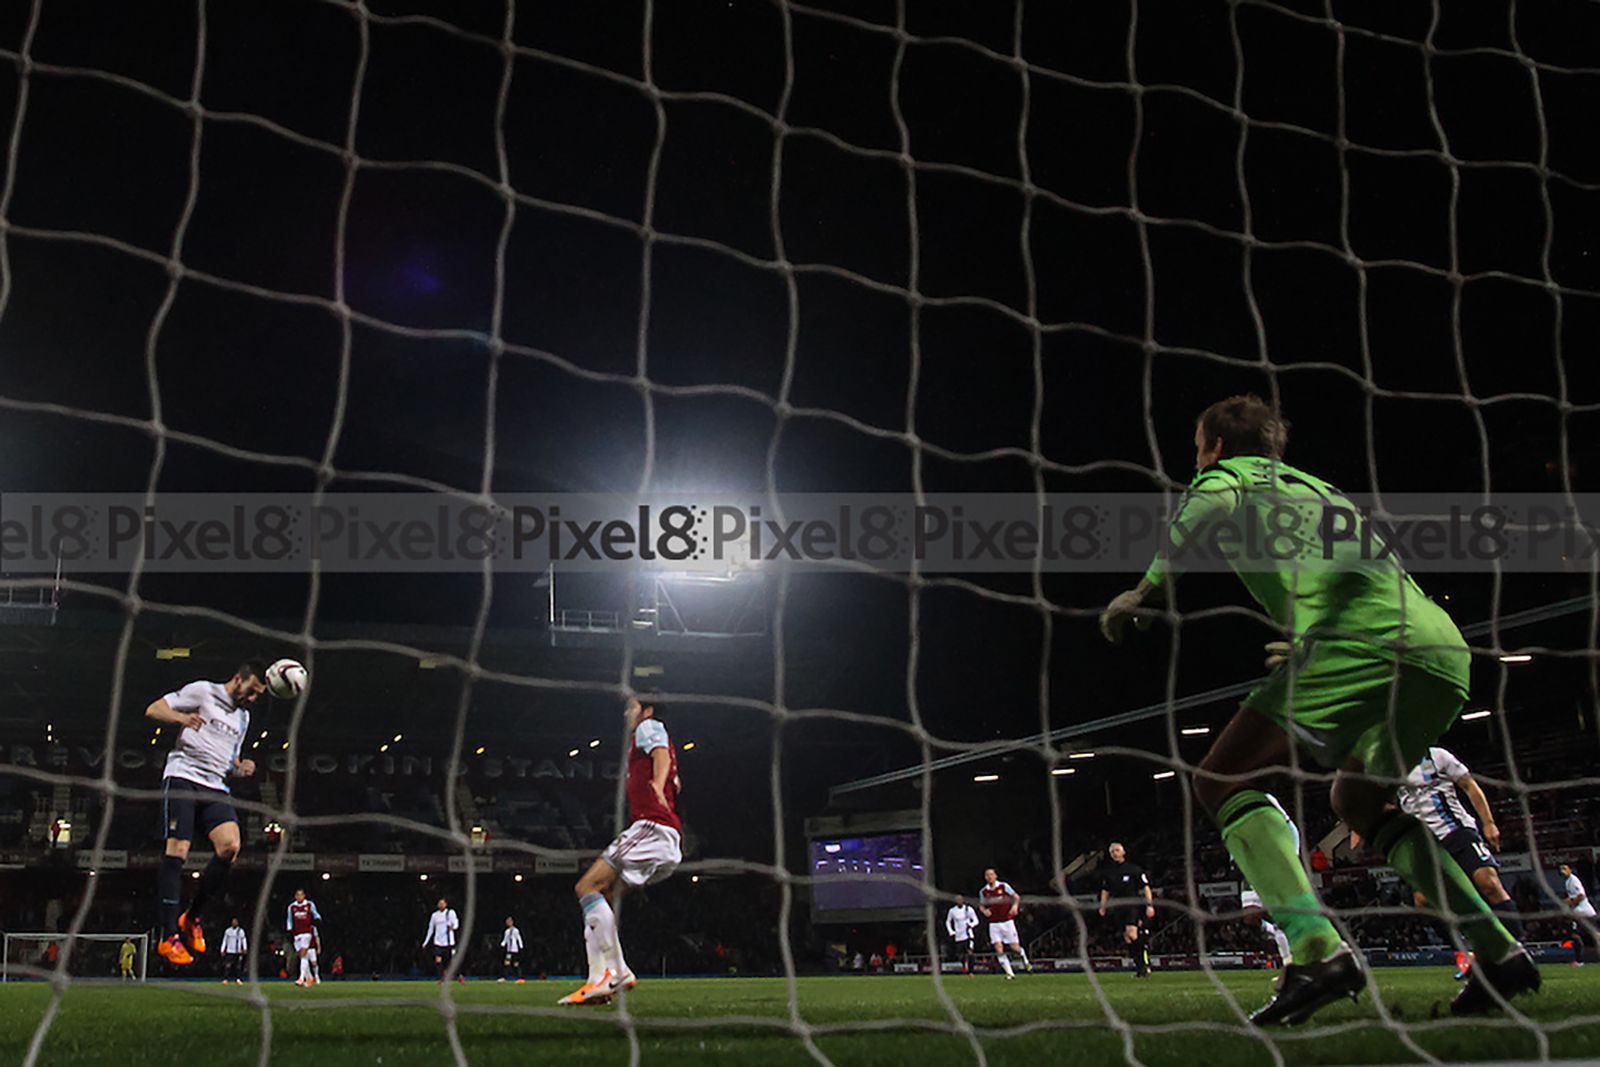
column 695, row 878
column 194, row 874
column 572, row 754
column 1060, row 771
column 985, row 777
column 516, row 877
column 422, row 878
column 285, row 744
column 1195, row 731
column 595, row 743
column 1080, row 755
column 326, row 876
column 1516, row 657
column 383, row 748
column 689, row 746
column 397, row 738
column 1159, row 775
column 1471, row 715
column 478, row 751
column 172, row 653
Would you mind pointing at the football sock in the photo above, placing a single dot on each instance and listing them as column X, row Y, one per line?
column 599, row 917
column 169, row 889
column 1284, row 951
column 1263, row 845
column 1421, row 860
column 1005, row 963
column 597, row 959
column 311, row 961
column 1510, row 917
column 1024, row 954
column 212, row 879
column 305, row 968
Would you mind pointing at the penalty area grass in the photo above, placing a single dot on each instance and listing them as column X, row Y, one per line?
column 1179, row 1019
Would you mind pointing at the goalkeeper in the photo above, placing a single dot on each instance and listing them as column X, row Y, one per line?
column 1372, row 673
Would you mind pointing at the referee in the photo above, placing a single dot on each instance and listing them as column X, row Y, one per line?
column 1121, row 885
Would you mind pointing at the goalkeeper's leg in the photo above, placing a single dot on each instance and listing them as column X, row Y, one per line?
column 1419, row 858
column 1254, row 831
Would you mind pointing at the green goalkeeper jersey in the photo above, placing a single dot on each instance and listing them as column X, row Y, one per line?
column 1355, row 608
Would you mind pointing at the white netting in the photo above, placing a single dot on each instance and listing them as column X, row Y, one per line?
column 1008, row 53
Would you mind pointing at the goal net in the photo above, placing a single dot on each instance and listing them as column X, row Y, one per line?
column 354, row 267
column 41, row 956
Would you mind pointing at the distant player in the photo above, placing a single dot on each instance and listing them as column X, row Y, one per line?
column 300, row 923
column 125, row 959
column 1124, row 883
column 647, row 852
column 234, row 945
column 1000, row 905
column 1431, row 793
column 960, row 922
column 213, row 718
column 511, row 946
column 440, row 938
column 1578, row 900
column 1362, row 638
column 1255, row 912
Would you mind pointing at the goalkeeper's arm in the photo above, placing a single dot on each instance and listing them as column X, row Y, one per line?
column 1214, row 494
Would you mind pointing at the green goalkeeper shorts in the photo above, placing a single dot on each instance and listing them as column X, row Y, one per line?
column 1338, row 703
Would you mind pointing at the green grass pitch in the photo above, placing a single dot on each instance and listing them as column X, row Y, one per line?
column 1174, row 1019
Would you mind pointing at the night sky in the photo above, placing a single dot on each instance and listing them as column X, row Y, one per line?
column 1387, row 222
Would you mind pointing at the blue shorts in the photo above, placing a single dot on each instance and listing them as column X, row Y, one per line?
column 187, row 806
column 1466, row 847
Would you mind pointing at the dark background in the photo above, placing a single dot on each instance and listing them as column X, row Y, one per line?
column 411, row 244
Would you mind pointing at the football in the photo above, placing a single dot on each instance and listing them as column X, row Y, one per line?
column 286, row 678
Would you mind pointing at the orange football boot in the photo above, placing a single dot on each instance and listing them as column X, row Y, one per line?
column 190, row 929
column 173, row 952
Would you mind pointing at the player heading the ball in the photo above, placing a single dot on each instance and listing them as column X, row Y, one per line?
column 214, row 718
column 1371, row 673
column 647, row 852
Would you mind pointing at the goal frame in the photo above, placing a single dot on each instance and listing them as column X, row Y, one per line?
column 142, row 940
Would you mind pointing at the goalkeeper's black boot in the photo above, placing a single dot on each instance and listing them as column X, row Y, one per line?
column 1517, row 973
column 1306, row 988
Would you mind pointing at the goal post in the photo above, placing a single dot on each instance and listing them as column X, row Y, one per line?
column 28, row 955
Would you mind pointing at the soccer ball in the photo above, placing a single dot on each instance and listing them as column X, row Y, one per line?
column 286, row 678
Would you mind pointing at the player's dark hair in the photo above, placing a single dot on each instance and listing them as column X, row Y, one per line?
column 1247, row 426
column 251, row 668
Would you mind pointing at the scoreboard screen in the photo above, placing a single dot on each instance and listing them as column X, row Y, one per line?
column 872, row 873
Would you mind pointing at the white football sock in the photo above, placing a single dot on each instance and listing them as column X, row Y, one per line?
column 599, row 917
column 597, row 959
column 1024, row 954
column 1005, row 963
column 311, row 958
column 1282, row 939
column 305, row 968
